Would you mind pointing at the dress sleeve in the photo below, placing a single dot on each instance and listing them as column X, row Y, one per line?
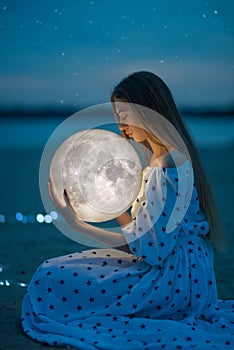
column 153, row 232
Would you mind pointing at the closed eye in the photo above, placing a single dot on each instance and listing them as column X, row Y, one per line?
column 123, row 119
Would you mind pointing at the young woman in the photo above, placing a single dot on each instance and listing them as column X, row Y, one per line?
column 157, row 288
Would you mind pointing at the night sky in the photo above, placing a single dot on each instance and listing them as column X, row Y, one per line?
column 72, row 53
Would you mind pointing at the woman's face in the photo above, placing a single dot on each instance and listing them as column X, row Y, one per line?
column 128, row 123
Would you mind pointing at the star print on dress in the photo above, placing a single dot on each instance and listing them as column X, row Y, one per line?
column 161, row 296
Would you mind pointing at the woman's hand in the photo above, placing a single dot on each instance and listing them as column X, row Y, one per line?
column 109, row 238
column 66, row 211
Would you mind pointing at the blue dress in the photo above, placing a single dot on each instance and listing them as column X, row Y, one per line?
column 162, row 296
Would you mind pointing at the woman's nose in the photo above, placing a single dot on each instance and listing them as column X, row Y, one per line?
column 123, row 126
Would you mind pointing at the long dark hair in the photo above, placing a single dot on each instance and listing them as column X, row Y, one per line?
column 148, row 90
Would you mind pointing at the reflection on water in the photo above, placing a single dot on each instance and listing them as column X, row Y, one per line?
column 19, row 217
column 9, row 282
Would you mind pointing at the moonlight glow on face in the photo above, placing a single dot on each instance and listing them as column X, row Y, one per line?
column 138, row 134
column 129, row 123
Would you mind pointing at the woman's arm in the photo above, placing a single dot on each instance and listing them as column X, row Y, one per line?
column 109, row 238
column 124, row 219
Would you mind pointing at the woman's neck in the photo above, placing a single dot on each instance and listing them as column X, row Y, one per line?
column 161, row 155
column 158, row 149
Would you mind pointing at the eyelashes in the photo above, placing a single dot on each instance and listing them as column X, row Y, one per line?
column 123, row 119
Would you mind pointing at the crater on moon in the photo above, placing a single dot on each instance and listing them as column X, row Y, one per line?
column 101, row 172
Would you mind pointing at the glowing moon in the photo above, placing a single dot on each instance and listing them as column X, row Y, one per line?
column 101, row 172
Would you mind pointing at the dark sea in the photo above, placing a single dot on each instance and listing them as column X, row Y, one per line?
column 33, row 133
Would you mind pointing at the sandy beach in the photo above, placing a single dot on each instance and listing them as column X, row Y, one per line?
column 25, row 246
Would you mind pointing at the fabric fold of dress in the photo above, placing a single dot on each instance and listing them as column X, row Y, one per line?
column 161, row 296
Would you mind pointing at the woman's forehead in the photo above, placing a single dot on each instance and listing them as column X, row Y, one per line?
column 122, row 107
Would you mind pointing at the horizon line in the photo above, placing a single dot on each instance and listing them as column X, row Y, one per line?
column 60, row 111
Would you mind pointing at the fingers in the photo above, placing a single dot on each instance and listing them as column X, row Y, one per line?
column 53, row 196
column 67, row 201
column 50, row 191
column 67, row 210
column 55, row 201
